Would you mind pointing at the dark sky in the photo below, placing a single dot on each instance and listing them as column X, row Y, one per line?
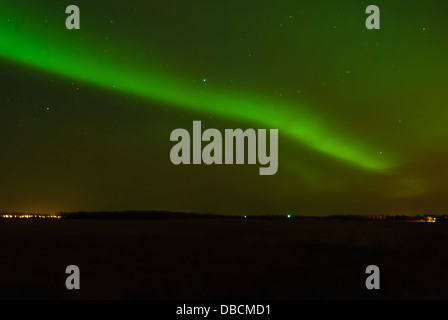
column 86, row 115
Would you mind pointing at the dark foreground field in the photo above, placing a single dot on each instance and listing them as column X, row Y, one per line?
column 222, row 259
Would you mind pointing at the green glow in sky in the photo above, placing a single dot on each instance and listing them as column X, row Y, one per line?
column 58, row 51
column 87, row 114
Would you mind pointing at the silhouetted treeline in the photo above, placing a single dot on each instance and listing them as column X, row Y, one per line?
column 159, row 215
column 135, row 215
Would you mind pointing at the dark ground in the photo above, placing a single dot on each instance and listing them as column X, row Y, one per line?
column 222, row 259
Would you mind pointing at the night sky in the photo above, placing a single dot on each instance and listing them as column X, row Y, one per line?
column 86, row 115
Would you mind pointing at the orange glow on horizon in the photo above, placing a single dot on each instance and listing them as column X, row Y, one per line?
column 30, row 216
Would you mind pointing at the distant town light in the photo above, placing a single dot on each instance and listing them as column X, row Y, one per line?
column 430, row 219
column 29, row 216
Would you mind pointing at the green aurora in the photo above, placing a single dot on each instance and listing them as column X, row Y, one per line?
column 84, row 63
column 356, row 109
